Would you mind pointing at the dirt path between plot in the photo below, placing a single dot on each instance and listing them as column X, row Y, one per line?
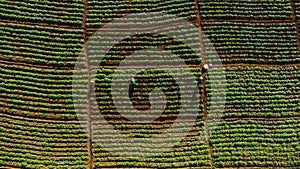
column 203, row 93
column 88, row 104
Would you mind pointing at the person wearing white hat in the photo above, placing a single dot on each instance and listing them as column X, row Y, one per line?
column 92, row 83
column 205, row 68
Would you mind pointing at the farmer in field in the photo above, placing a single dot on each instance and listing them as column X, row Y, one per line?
column 200, row 80
column 133, row 82
column 205, row 68
column 131, row 87
column 92, row 85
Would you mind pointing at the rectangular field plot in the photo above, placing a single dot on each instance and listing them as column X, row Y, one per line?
column 261, row 92
column 36, row 92
column 188, row 153
column 40, row 45
column 48, row 12
column 253, row 42
column 256, row 143
column 260, row 124
column 103, row 12
column 122, row 50
column 34, row 143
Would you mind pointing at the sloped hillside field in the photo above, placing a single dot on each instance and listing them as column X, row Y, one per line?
column 255, row 125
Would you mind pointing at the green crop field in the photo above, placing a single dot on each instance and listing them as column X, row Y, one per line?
column 257, row 42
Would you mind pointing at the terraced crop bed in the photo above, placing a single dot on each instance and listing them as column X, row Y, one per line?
column 258, row 45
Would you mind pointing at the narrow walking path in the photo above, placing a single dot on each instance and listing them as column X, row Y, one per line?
column 203, row 92
column 294, row 15
column 88, row 106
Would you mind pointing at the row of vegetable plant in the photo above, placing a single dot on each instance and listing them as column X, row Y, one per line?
column 48, row 12
column 246, row 9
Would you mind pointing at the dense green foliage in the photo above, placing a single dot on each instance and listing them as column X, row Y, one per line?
column 256, row 40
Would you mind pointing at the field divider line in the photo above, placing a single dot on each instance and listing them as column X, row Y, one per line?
column 39, row 24
column 137, row 67
column 141, row 29
column 254, row 65
column 87, row 65
column 194, row 22
column 262, row 118
column 198, row 66
column 263, row 21
column 17, row 117
column 18, row 63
